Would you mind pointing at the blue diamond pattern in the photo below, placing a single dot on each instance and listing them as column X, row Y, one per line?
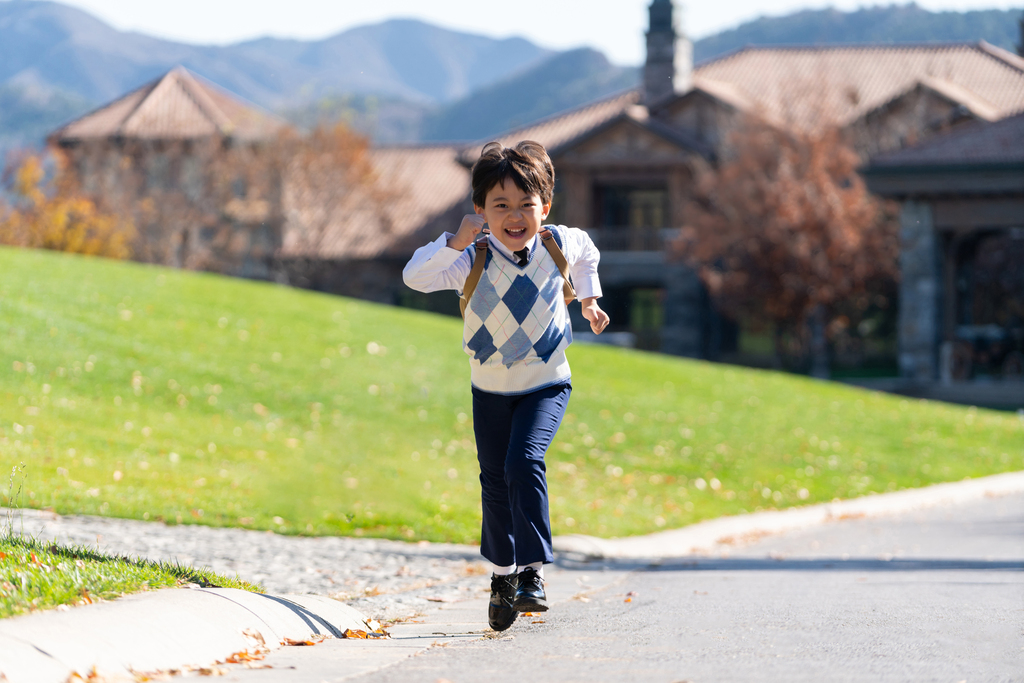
column 516, row 348
column 482, row 343
column 485, row 298
column 520, row 297
column 548, row 342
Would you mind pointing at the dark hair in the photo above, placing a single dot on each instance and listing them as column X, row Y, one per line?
column 527, row 164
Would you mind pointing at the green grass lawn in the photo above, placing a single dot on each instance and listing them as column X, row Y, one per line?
column 35, row 575
column 135, row 391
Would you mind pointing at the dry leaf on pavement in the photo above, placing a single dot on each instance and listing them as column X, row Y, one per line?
column 297, row 642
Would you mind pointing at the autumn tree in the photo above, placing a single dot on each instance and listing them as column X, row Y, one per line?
column 52, row 213
column 784, row 232
column 328, row 171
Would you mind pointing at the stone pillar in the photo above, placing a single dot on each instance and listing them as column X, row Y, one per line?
column 683, row 333
column 919, row 292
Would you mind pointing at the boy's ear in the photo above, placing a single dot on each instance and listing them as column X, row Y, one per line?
column 547, row 210
column 478, row 209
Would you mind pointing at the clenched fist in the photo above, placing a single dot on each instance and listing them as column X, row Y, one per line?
column 472, row 225
column 597, row 317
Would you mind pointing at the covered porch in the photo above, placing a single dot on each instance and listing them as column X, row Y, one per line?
column 961, row 318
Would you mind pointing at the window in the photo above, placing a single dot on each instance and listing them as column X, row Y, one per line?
column 632, row 207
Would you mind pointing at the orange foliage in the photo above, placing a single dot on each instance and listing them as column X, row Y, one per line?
column 786, row 228
column 52, row 215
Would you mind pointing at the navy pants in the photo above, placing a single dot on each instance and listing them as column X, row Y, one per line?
column 512, row 435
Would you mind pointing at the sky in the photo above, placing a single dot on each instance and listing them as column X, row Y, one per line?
column 613, row 26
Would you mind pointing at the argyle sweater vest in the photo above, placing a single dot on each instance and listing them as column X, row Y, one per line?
column 517, row 324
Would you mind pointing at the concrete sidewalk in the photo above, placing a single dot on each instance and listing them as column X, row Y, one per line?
column 196, row 630
column 191, row 628
column 166, row 630
column 712, row 535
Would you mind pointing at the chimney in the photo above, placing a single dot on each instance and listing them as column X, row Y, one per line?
column 669, row 67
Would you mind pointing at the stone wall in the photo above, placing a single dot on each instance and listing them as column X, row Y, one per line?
column 918, row 330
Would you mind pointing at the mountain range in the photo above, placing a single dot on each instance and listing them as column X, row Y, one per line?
column 400, row 80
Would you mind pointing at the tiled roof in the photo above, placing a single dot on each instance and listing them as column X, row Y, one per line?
column 805, row 85
column 178, row 105
column 562, row 127
column 795, row 85
column 418, row 192
column 980, row 142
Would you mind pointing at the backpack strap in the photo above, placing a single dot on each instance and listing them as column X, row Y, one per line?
column 551, row 244
column 473, row 280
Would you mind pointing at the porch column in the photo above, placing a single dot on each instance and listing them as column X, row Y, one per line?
column 683, row 331
column 919, row 292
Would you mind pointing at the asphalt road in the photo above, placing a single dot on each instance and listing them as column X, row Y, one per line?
column 931, row 596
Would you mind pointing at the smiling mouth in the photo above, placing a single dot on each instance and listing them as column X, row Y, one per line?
column 515, row 232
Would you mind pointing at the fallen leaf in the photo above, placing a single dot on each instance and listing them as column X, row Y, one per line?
column 443, row 598
column 628, row 600
column 529, row 614
column 210, row 671
column 297, row 643
column 258, row 665
column 365, row 635
column 255, row 635
column 244, row 656
column 538, row 621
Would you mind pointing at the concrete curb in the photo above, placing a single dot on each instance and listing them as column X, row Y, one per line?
column 712, row 534
column 159, row 631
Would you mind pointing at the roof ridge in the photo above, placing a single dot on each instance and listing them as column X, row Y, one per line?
column 822, row 47
column 977, row 104
column 1001, row 54
column 150, row 85
column 566, row 112
column 197, row 92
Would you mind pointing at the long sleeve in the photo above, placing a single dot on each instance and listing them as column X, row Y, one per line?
column 582, row 257
column 435, row 267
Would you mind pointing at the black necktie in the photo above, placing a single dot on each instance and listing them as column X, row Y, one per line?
column 523, row 255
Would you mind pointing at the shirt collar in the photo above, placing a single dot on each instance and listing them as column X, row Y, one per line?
column 505, row 250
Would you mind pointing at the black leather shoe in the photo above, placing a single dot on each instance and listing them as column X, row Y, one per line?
column 500, row 613
column 530, row 596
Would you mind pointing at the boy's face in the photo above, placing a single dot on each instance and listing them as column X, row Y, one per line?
column 513, row 216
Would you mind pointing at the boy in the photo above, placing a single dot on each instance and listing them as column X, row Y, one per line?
column 516, row 332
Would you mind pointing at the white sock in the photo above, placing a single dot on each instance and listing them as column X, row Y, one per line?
column 537, row 567
column 503, row 571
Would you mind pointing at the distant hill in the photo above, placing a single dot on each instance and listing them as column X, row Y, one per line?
column 50, row 46
column 891, row 24
column 563, row 81
column 399, row 81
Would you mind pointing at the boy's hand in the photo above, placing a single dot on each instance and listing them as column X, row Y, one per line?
column 592, row 312
column 471, row 226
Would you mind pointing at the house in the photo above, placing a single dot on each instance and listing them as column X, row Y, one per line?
column 961, row 255
column 190, row 162
column 625, row 163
